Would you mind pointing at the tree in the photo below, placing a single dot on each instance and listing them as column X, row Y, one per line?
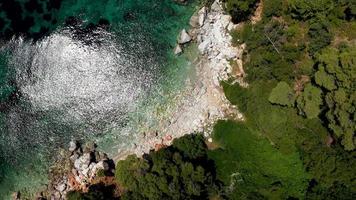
column 310, row 9
column 309, row 101
column 176, row 172
column 319, row 35
column 282, row 94
column 240, row 10
column 95, row 192
column 186, row 143
column 337, row 75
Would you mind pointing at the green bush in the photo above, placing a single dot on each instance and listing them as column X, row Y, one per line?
column 309, row 103
column 282, row 94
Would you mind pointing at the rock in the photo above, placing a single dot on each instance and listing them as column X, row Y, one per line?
column 225, row 20
column 202, row 15
column 74, row 157
column 215, row 7
column 89, row 147
column 102, row 165
column 72, row 146
column 184, row 37
column 203, row 47
column 193, row 33
column 61, row 187
column 178, row 50
column 83, row 161
column 194, row 21
column 103, row 156
column 56, row 196
column 210, row 140
column 16, row 196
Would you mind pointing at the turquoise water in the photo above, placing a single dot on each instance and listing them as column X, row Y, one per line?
column 83, row 70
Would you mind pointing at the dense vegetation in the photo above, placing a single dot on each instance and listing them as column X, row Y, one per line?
column 300, row 64
column 181, row 171
column 304, row 45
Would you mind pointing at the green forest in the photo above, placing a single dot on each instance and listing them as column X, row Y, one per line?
column 298, row 140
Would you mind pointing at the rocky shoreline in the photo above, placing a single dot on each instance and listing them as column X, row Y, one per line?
column 204, row 102
column 202, row 105
column 76, row 169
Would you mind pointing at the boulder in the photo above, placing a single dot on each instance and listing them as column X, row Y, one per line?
column 83, row 161
column 202, row 15
column 61, row 187
column 184, row 37
column 16, row 196
column 194, row 21
column 215, row 7
column 74, row 157
column 89, row 147
column 73, row 145
column 178, row 50
column 225, row 20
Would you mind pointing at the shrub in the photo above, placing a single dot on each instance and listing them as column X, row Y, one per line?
column 282, row 94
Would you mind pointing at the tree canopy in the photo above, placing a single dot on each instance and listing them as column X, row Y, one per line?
column 177, row 172
column 337, row 76
column 282, row 94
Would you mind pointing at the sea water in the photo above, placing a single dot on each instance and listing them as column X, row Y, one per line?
column 85, row 70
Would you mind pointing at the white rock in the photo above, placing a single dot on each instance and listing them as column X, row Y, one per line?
column 225, row 20
column 231, row 26
column 99, row 165
column 202, row 16
column 72, row 146
column 203, row 47
column 61, row 187
column 184, row 37
column 82, row 162
column 178, row 50
column 210, row 140
column 215, row 7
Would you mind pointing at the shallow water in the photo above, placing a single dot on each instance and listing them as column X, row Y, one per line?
column 94, row 76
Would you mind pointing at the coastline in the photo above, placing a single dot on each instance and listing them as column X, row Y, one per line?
column 201, row 104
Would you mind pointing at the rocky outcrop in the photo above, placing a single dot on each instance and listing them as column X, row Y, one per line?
column 203, row 102
column 84, row 162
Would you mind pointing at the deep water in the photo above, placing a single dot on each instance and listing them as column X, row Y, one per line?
column 81, row 69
